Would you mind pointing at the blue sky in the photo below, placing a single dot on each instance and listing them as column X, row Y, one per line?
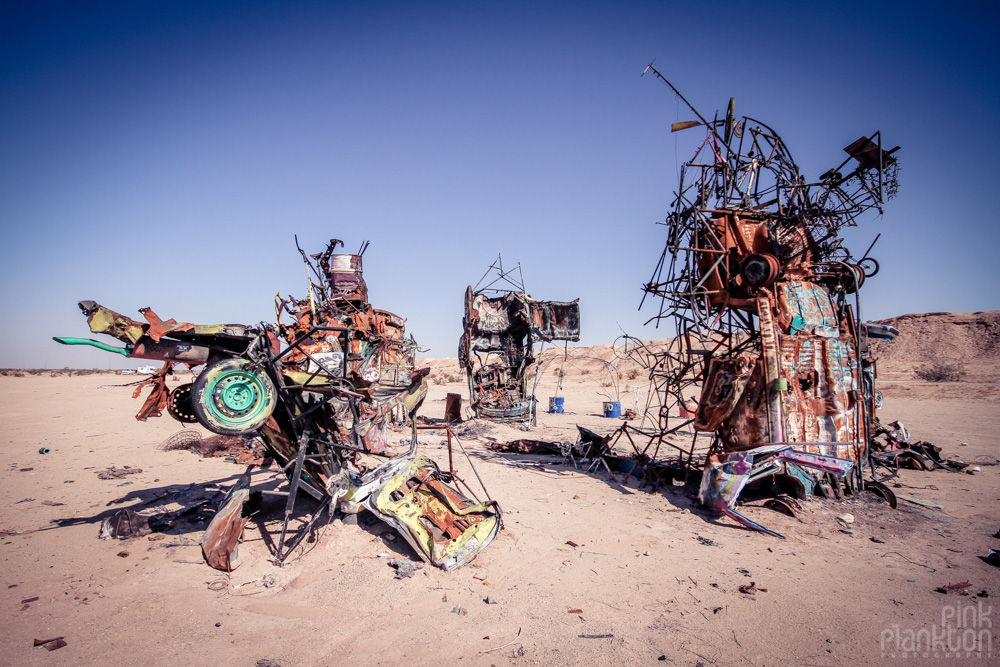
column 164, row 154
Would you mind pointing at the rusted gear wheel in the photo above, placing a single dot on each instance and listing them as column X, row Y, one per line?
column 761, row 270
column 179, row 404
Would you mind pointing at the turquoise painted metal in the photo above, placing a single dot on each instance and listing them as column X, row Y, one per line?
column 86, row 341
column 237, row 397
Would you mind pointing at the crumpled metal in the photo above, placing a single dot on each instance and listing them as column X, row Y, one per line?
column 727, row 475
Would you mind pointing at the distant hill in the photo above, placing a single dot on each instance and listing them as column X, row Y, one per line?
column 972, row 339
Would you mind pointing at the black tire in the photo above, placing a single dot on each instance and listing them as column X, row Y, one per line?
column 233, row 397
column 179, row 404
column 883, row 492
column 870, row 266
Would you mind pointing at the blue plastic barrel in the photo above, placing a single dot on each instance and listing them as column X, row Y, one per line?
column 556, row 404
column 612, row 409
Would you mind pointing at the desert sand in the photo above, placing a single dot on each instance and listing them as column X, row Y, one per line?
column 588, row 570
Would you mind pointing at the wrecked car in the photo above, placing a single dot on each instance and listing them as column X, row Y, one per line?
column 500, row 328
column 320, row 391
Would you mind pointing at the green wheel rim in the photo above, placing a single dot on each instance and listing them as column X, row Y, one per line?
column 236, row 398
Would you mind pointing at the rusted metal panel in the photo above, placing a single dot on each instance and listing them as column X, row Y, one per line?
column 225, row 532
column 156, row 402
column 723, row 389
column 772, row 378
column 158, row 328
column 453, row 408
column 818, row 405
column 497, row 315
column 747, row 425
column 500, row 328
column 555, row 320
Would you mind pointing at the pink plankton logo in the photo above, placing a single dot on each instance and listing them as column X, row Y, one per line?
column 965, row 631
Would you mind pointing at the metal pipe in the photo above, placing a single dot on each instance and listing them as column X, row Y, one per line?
column 124, row 351
column 168, row 350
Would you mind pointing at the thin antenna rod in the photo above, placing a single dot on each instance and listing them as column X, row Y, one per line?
column 710, row 126
column 877, row 237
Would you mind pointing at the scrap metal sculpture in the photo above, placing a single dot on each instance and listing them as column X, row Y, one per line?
column 320, row 392
column 497, row 345
column 763, row 299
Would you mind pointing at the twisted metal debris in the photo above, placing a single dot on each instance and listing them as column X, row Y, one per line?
column 762, row 295
column 320, row 392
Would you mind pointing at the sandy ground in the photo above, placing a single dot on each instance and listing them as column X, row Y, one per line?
column 587, row 571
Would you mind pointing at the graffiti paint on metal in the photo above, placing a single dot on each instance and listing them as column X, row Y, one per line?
column 496, row 350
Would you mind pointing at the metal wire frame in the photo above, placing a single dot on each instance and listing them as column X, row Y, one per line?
column 502, row 276
column 744, row 166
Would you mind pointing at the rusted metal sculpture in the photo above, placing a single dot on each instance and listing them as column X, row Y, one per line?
column 763, row 299
column 320, row 392
column 501, row 326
